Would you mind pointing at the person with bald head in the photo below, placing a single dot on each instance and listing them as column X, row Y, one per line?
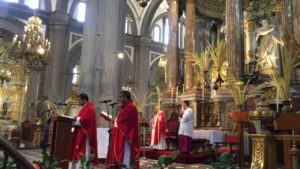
column 158, row 129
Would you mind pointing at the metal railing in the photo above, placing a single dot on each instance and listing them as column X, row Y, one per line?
column 12, row 158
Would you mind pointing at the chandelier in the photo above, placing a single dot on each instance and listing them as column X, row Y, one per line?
column 5, row 76
column 31, row 49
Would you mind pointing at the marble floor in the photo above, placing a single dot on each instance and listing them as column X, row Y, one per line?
column 36, row 154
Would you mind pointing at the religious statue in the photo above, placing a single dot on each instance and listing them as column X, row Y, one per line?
column 267, row 53
column 163, row 63
column 5, row 107
column 44, row 108
column 73, row 106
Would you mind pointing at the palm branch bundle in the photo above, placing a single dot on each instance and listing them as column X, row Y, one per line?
column 239, row 93
column 142, row 104
column 217, row 54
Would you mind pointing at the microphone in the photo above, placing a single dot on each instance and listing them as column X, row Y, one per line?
column 112, row 104
column 105, row 101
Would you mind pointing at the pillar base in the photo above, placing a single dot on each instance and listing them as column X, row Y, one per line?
column 263, row 151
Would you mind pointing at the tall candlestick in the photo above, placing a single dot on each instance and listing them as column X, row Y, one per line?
column 177, row 94
column 172, row 95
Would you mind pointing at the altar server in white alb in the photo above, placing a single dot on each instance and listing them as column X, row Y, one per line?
column 186, row 128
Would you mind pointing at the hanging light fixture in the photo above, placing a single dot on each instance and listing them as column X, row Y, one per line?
column 31, row 49
column 5, row 76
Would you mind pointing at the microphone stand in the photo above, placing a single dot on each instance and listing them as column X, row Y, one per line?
column 44, row 143
column 109, row 137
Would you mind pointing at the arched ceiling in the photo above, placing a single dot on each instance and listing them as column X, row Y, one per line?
column 211, row 8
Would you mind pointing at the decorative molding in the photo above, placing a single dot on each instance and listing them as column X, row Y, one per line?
column 75, row 38
column 153, row 56
column 129, row 52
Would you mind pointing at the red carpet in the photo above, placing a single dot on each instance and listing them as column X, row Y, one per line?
column 192, row 158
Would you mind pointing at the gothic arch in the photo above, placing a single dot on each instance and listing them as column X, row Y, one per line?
column 134, row 25
column 148, row 17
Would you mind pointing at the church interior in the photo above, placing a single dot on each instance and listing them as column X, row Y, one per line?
column 237, row 62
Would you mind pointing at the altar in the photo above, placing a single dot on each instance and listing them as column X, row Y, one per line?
column 213, row 136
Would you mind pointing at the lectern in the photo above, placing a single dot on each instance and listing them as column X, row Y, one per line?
column 61, row 140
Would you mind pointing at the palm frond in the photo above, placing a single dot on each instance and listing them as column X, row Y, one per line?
column 202, row 61
column 142, row 104
column 282, row 81
column 217, row 54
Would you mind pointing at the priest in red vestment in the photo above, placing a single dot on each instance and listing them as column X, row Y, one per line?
column 125, row 142
column 158, row 129
column 84, row 141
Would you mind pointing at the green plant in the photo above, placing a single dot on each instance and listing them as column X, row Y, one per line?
column 225, row 162
column 48, row 162
column 164, row 161
column 10, row 164
column 86, row 162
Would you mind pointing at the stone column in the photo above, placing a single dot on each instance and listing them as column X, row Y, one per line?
column 32, row 92
column 189, row 42
column 58, row 36
column 103, row 40
column 234, row 37
column 141, row 66
column 172, row 51
column 284, row 18
column 296, row 21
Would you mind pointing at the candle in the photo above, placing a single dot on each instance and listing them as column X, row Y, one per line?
column 193, row 42
column 172, row 95
column 277, row 100
column 177, row 94
column 203, row 92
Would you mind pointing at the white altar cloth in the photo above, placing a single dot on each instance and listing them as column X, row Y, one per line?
column 212, row 135
column 102, row 142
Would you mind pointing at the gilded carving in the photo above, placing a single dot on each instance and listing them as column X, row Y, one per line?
column 258, row 153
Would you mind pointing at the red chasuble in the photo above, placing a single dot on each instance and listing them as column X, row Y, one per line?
column 125, row 128
column 158, row 121
column 87, row 129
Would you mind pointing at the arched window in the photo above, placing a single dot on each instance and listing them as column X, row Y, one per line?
column 128, row 25
column 79, row 13
column 35, row 4
column 160, row 32
column 75, row 80
column 156, row 34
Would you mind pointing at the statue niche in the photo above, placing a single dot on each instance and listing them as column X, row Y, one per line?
column 267, row 53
